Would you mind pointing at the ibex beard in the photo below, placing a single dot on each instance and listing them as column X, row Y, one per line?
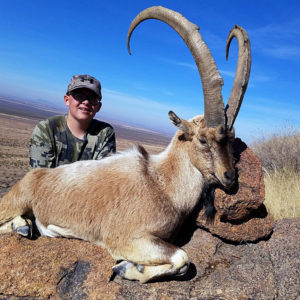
column 133, row 203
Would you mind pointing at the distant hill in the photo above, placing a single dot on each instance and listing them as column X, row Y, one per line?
column 39, row 111
column 27, row 109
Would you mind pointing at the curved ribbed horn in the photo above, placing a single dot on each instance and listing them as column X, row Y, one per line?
column 212, row 81
column 242, row 73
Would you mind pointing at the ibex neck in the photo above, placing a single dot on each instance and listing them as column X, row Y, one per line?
column 177, row 177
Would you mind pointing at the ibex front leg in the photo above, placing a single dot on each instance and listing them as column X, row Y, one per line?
column 150, row 258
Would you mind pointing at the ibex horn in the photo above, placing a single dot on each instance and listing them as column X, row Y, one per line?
column 214, row 112
column 212, row 81
column 242, row 72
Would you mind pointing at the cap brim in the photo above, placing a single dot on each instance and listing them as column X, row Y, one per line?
column 84, row 87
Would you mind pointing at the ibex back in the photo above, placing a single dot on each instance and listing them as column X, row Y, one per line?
column 133, row 203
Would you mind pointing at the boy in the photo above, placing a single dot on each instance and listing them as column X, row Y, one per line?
column 77, row 136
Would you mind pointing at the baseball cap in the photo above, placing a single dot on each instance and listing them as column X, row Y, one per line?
column 85, row 81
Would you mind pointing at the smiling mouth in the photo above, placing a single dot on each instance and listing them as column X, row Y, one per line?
column 85, row 109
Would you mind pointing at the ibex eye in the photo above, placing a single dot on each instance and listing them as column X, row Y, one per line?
column 203, row 141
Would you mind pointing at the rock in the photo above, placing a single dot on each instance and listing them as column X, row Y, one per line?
column 241, row 215
column 58, row 268
column 285, row 256
column 68, row 269
column 235, row 272
column 251, row 230
column 250, row 193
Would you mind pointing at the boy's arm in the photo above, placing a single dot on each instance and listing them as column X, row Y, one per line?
column 41, row 152
column 109, row 144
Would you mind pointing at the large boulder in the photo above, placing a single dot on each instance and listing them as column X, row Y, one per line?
column 241, row 215
column 57, row 268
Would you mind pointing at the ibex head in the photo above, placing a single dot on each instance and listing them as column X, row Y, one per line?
column 213, row 133
column 209, row 149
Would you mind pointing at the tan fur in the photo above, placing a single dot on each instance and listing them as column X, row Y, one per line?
column 131, row 203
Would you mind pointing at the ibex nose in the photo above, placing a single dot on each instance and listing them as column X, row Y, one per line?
column 230, row 176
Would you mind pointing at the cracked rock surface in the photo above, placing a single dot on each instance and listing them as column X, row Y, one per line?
column 59, row 268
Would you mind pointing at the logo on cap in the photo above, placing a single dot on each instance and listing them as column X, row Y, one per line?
column 85, row 81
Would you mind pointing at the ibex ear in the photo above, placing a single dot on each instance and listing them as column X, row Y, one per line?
column 180, row 124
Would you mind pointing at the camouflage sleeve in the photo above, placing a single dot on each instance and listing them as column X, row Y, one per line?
column 109, row 144
column 41, row 152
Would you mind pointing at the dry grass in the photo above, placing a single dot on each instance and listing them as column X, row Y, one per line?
column 280, row 150
column 280, row 157
column 283, row 193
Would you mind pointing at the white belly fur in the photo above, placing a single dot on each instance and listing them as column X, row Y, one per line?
column 54, row 231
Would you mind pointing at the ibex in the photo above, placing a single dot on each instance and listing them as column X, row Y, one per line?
column 133, row 203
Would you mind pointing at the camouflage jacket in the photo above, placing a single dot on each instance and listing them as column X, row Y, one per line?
column 52, row 144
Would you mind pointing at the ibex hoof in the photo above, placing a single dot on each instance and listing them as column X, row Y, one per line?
column 22, row 226
column 24, row 230
column 122, row 267
column 183, row 269
column 140, row 268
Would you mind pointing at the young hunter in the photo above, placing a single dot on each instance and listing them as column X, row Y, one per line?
column 76, row 136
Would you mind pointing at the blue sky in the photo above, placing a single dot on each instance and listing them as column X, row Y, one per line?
column 43, row 43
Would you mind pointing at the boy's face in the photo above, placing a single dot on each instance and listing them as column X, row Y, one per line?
column 83, row 104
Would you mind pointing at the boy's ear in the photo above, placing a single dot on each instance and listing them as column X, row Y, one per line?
column 66, row 99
